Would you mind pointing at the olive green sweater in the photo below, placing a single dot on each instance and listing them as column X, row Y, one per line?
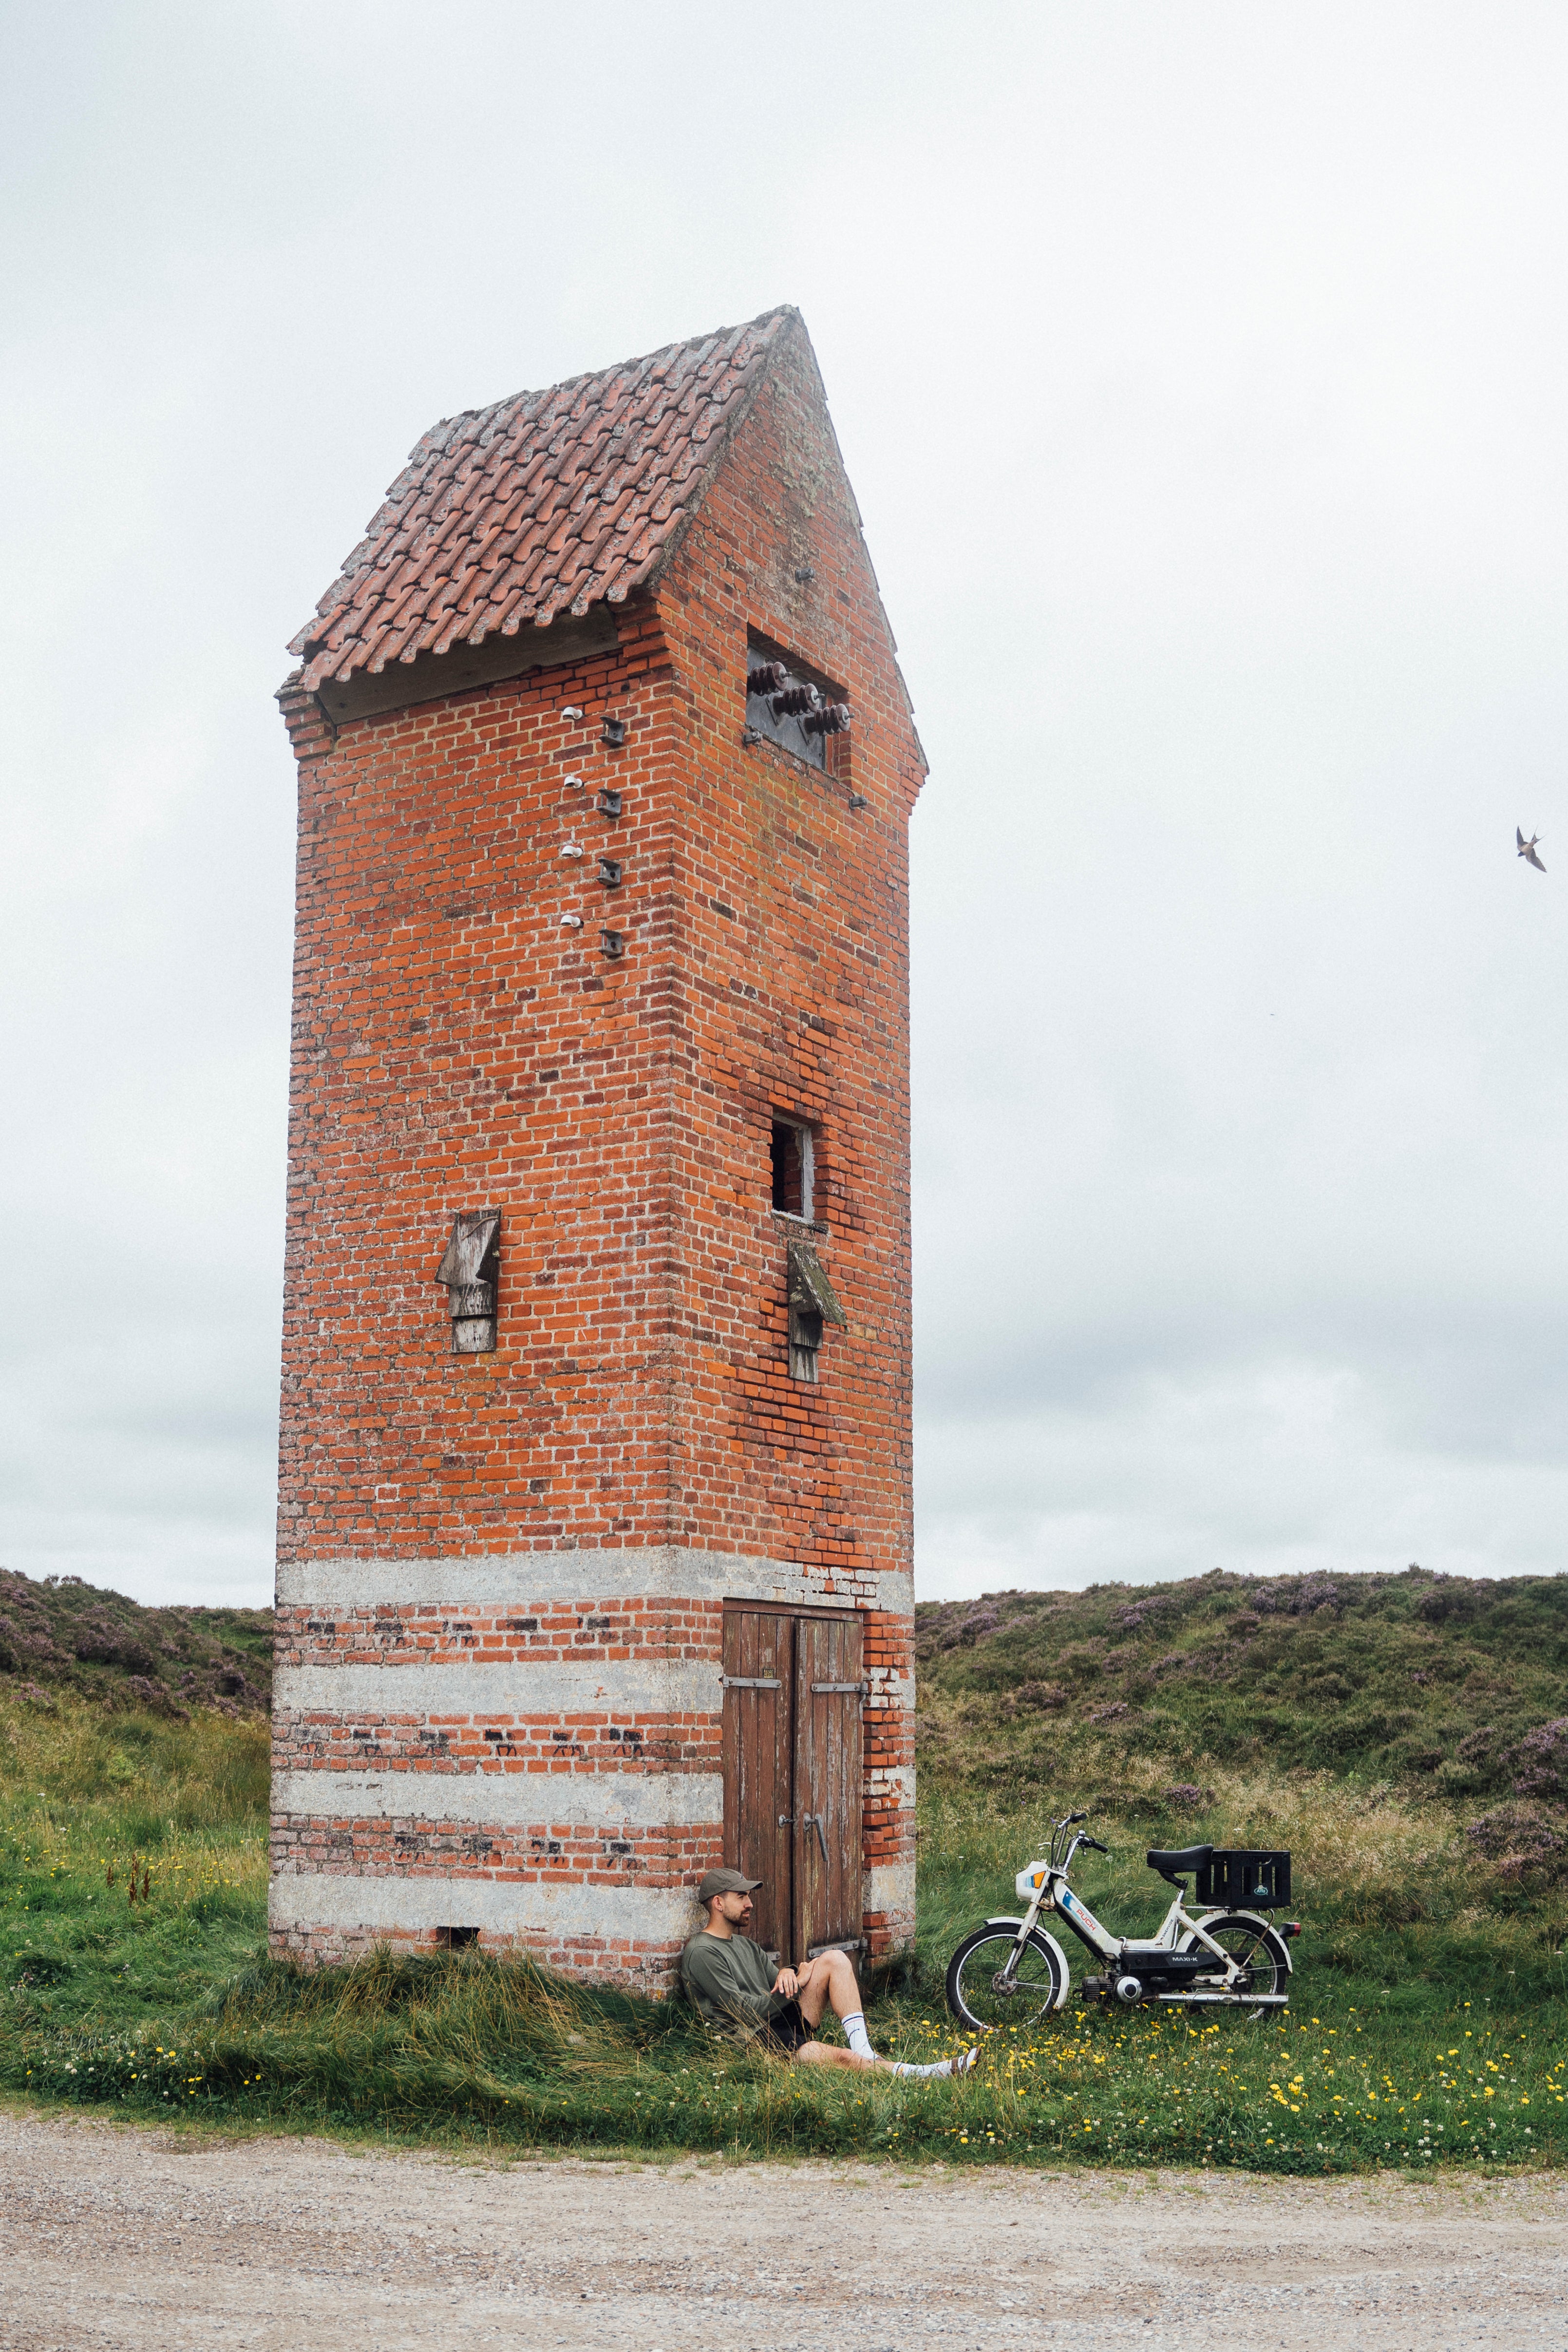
column 730, row 1979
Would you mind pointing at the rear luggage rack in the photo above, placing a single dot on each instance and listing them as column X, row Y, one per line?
column 1245, row 1878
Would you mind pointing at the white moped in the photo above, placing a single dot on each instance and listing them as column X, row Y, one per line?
column 1012, row 1971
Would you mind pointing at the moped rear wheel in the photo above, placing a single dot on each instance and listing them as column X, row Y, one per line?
column 1259, row 1951
column 985, row 1990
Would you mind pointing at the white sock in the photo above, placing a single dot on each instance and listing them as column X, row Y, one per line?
column 857, row 2035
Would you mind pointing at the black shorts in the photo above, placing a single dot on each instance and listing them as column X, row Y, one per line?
column 786, row 2030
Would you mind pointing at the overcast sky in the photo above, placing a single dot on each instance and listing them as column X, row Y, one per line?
column 1200, row 373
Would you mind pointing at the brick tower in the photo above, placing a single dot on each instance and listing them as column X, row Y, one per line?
column 594, row 1517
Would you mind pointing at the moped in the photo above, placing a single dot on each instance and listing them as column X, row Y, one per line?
column 1012, row 1971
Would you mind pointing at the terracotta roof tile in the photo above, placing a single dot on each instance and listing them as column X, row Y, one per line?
column 548, row 501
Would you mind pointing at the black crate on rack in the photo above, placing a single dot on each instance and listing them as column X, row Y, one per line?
column 1244, row 1880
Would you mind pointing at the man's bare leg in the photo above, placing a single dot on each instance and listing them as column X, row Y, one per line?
column 830, row 1978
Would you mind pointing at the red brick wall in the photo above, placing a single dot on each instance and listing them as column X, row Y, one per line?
column 454, row 1049
column 792, row 996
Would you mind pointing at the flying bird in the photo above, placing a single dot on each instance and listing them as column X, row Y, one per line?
column 1527, row 848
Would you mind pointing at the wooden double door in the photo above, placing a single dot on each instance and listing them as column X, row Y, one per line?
column 792, row 1761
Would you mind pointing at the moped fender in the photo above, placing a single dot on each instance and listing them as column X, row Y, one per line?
column 1052, row 1944
column 1253, row 1919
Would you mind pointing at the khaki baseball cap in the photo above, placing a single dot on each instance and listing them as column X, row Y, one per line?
column 725, row 1881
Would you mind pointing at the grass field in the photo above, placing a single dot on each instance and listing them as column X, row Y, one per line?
column 1424, row 2029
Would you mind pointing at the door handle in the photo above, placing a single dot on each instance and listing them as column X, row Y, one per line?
column 815, row 1822
column 786, row 1821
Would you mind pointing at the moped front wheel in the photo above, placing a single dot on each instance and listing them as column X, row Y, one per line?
column 992, row 1983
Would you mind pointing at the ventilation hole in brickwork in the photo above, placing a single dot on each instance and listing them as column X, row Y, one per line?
column 455, row 1939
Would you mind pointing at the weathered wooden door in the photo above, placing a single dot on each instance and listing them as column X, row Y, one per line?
column 792, row 1764
column 758, row 1749
column 828, row 1695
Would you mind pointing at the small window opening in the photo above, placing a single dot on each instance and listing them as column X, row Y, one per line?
column 792, row 1168
column 455, row 1939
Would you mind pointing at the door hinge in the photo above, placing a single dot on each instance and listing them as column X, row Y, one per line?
column 751, row 1682
column 839, row 1943
column 841, row 1690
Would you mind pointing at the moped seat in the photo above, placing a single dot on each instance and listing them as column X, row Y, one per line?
column 1190, row 1857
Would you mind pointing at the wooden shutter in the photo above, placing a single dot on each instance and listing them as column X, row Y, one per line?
column 758, row 1719
column 828, row 1740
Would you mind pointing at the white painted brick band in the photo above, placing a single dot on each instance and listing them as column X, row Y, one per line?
column 890, row 1886
column 611, row 1801
column 516, row 1686
column 657, row 1571
column 640, row 1915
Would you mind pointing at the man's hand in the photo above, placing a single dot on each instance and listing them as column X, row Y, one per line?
column 787, row 1983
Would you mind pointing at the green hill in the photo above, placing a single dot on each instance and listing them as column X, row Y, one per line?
column 64, row 1635
column 1443, row 1689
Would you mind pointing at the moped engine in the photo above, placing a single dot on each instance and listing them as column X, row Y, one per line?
column 1129, row 1989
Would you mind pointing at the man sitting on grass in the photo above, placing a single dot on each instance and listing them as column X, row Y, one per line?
column 729, row 1979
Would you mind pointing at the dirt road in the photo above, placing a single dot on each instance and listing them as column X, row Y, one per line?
column 114, row 2236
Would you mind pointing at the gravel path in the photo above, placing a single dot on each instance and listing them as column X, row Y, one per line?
column 115, row 2235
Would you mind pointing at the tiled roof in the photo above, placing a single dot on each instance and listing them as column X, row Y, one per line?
column 544, row 503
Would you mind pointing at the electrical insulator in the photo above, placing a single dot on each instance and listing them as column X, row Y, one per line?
column 833, row 719
column 766, row 678
column 793, row 701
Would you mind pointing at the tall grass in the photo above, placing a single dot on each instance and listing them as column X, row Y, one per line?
column 132, row 1859
column 1424, row 2026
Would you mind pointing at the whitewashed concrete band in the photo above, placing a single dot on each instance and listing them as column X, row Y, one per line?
column 318, row 1898
column 634, row 1571
column 890, row 1886
column 610, row 1800
column 517, row 1687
